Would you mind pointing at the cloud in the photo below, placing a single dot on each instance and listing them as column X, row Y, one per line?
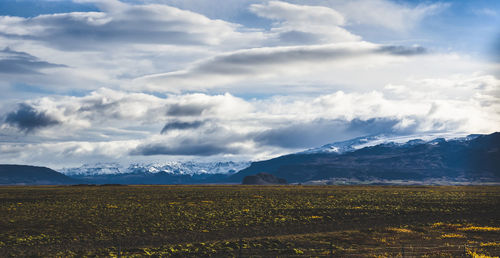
column 177, row 125
column 117, row 124
column 399, row 17
column 402, row 50
column 303, row 24
column 321, row 131
column 106, row 113
column 28, row 119
column 120, row 23
column 266, row 63
column 13, row 62
column 186, row 110
column 485, row 12
column 186, row 148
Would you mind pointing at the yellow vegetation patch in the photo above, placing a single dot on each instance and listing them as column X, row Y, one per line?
column 446, row 225
column 490, row 244
column 437, row 224
column 452, row 235
column 473, row 228
column 401, row 230
column 316, row 217
column 478, row 255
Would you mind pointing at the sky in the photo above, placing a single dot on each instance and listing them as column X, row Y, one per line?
column 89, row 81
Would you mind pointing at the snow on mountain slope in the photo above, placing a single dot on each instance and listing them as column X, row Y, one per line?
column 372, row 140
column 95, row 169
column 172, row 167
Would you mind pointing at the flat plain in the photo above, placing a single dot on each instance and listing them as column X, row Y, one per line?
column 259, row 221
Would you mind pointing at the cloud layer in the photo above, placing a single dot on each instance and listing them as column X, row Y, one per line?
column 268, row 63
column 225, row 126
column 232, row 80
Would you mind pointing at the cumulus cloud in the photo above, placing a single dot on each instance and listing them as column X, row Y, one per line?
column 266, row 63
column 28, row 119
column 116, row 113
column 205, row 125
column 13, row 62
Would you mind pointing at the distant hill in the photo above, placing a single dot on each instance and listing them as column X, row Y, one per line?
column 156, row 178
column 31, row 175
column 472, row 158
column 263, row 179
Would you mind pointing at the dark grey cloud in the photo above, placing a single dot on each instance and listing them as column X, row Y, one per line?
column 28, row 119
column 372, row 125
column 319, row 132
column 184, row 148
column 13, row 62
column 178, row 125
column 403, row 50
column 186, row 109
column 102, row 107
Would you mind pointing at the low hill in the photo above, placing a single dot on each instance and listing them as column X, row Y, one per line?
column 263, row 179
column 32, row 175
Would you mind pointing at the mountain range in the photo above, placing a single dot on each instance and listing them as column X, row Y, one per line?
column 156, row 173
column 475, row 158
column 377, row 159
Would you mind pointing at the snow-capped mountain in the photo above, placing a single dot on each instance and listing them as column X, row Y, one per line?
column 172, row 167
column 373, row 140
column 189, row 167
column 94, row 169
column 380, row 159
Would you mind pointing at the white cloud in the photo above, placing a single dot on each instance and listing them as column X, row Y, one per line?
column 121, row 23
column 387, row 14
column 269, row 63
column 302, row 24
column 485, row 12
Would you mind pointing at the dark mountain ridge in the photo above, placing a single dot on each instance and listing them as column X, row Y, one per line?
column 32, row 175
column 471, row 158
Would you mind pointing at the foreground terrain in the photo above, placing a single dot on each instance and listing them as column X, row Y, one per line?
column 249, row 220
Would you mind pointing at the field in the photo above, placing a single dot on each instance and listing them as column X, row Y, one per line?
column 249, row 221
